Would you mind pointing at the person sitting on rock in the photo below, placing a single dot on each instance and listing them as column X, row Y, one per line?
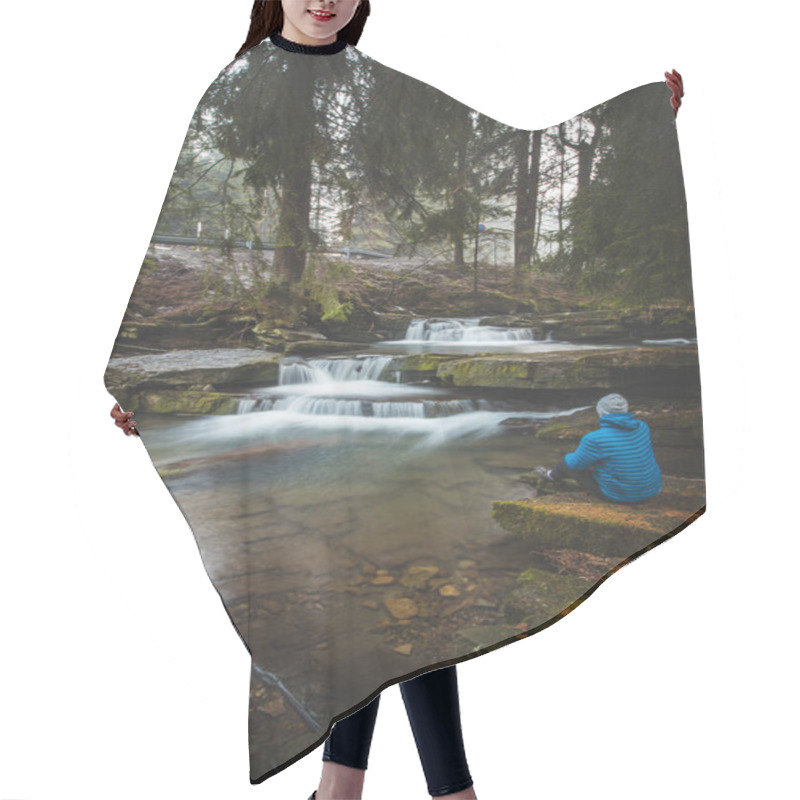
column 616, row 462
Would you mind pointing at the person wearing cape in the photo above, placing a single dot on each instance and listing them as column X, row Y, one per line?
column 366, row 312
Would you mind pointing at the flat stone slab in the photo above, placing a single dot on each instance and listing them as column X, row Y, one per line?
column 319, row 347
column 184, row 368
column 618, row 369
column 581, row 523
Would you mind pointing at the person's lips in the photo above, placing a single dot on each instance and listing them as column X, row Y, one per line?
column 321, row 15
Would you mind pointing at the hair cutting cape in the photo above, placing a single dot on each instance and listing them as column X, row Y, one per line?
column 367, row 313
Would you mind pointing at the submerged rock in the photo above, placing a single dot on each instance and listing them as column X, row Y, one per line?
column 401, row 607
column 417, row 577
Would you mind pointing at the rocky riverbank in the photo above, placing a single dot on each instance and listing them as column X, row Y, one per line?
column 576, row 544
column 185, row 380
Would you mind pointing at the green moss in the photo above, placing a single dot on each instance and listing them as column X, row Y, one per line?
column 170, row 472
column 421, row 362
column 485, row 372
column 595, row 526
column 542, row 595
column 186, row 402
column 320, row 283
column 589, row 369
column 571, row 428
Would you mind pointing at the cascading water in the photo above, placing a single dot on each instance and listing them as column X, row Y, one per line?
column 321, row 385
column 667, row 342
column 328, row 370
column 464, row 330
column 367, row 395
column 360, row 408
column 346, row 392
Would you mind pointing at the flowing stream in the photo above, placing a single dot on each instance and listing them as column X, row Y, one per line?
column 341, row 470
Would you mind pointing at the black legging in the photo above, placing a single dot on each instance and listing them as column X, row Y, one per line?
column 432, row 706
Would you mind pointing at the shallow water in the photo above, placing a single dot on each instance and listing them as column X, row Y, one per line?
column 313, row 505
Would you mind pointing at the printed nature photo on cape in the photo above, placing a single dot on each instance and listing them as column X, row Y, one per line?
column 369, row 325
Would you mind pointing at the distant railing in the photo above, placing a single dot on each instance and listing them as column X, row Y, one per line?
column 251, row 245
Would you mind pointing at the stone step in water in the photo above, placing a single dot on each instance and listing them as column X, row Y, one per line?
column 577, row 522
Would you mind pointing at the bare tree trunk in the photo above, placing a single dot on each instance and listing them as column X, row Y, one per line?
column 475, row 265
column 562, row 170
column 290, row 254
column 293, row 232
column 586, row 150
column 459, row 206
column 529, row 149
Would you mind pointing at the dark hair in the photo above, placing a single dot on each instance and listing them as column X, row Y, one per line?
column 266, row 18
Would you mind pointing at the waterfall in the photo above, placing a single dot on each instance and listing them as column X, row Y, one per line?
column 328, row 370
column 359, row 408
column 365, row 391
column 463, row 329
column 668, row 341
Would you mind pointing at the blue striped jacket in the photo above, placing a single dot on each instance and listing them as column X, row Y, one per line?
column 621, row 453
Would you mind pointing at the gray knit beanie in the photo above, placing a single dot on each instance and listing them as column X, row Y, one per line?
column 611, row 404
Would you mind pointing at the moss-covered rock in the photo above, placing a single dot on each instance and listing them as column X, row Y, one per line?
column 605, row 324
column 179, row 370
column 490, row 371
column 412, row 366
column 184, row 402
column 356, row 321
column 624, row 369
column 394, row 325
column 571, row 428
column 542, row 595
column 594, row 526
